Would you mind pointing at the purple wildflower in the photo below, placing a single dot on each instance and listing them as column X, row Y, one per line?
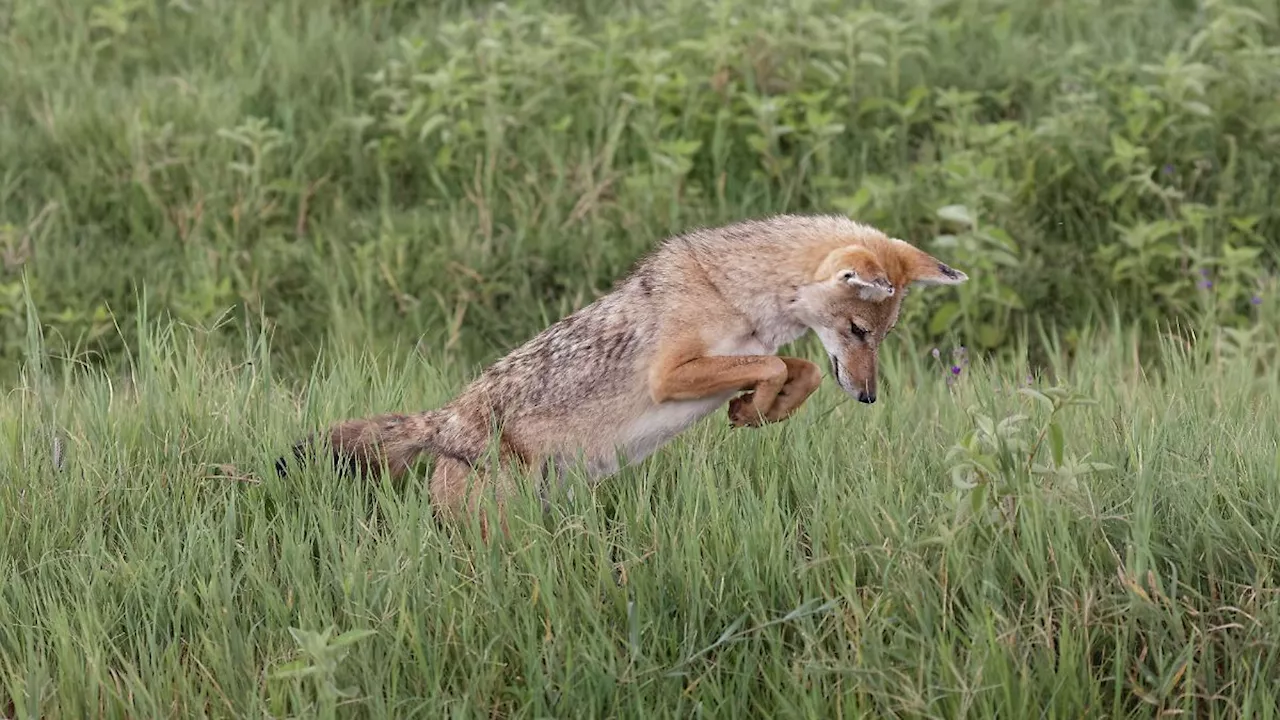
column 959, row 361
column 1256, row 300
column 1168, row 169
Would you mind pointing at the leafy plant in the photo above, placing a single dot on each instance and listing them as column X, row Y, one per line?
column 322, row 655
column 1000, row 460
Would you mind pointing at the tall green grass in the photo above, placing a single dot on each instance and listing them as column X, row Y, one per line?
column 1098, row 542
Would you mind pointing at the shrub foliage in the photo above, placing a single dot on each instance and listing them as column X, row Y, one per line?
column 464, row 172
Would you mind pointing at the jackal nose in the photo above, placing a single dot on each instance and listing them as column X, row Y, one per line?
column 866, row 397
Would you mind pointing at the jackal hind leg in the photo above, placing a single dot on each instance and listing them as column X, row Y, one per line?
column 803, row 378
column 459, row 490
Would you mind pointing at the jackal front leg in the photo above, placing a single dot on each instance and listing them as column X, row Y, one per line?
column 803, row 377
column 764, row 375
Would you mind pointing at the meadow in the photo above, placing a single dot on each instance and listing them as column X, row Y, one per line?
column 223, row 225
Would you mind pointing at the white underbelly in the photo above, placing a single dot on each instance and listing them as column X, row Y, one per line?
column 662, row 422
column 636, row 440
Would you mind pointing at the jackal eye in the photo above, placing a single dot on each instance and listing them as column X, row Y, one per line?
column 858, row 332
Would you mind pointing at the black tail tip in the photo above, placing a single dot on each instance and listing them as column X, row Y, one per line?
column 298, row 451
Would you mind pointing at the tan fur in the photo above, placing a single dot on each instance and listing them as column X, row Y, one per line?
column 696, row 323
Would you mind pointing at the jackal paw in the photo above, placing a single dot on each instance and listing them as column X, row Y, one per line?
column 743, row 412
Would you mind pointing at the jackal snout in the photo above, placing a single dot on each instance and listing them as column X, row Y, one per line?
column 857, row 378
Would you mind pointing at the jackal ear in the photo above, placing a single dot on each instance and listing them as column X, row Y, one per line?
column 924, row 269
column 874, row 290
column 857, row 268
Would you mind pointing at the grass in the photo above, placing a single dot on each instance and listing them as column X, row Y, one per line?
column 847, row 562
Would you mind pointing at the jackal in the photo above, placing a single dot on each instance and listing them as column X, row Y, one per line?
column 695, row 323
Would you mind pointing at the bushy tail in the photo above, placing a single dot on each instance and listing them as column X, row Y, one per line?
column 361, row 446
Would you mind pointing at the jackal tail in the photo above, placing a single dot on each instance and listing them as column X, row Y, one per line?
column 362, row 446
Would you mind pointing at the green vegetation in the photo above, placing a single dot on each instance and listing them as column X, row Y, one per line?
column 932, row 555
column 222, row 225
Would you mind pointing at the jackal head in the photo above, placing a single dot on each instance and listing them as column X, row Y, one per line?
column 853, row 303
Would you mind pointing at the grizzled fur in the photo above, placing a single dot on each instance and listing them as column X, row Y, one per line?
column 697, row 321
